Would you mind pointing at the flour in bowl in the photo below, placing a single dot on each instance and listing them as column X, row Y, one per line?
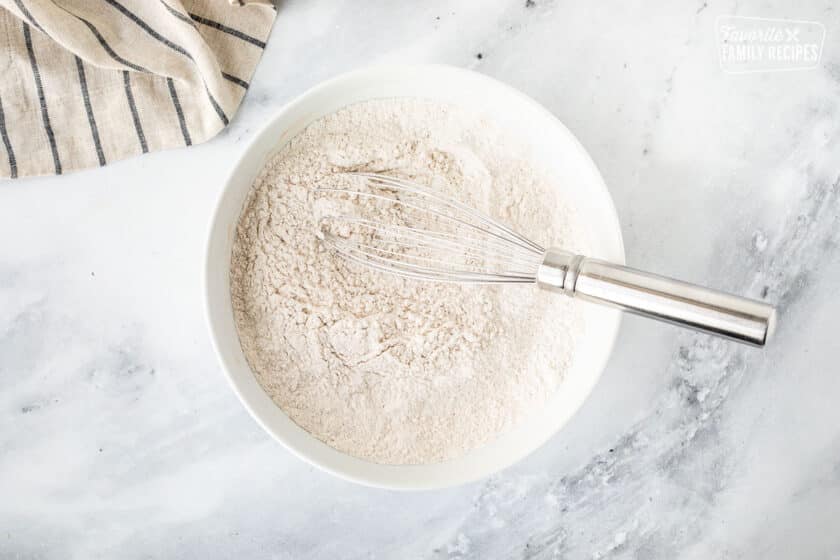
column 387, row 369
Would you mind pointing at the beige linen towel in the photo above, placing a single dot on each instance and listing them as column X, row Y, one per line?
column 86, row 82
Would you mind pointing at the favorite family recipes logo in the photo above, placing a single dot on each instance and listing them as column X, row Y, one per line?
column 751, row 44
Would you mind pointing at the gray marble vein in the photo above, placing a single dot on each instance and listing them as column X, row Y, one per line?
column 121, row 439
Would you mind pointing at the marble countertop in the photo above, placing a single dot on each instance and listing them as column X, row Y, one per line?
column 120, row 436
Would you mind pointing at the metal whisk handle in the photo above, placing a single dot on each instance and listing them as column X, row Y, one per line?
column 687, row 305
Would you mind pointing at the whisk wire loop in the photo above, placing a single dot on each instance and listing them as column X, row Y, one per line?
column 450, row 242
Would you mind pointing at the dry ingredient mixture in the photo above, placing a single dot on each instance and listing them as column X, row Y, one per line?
column 387, row 369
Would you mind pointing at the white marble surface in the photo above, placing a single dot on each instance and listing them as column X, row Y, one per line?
column 120, row 438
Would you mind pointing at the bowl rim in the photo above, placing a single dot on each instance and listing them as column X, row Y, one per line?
column 207, row 269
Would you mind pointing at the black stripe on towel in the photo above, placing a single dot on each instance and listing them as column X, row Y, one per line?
column 135, row 116
column 27, row 36
column 7, row 143
column 145, row 27
column 238, row 81
column 177, row 14
column 94, row 130
column 216, row 107
column 229, row 30
column 28, row 15
column 108, row 48
column 179, row 111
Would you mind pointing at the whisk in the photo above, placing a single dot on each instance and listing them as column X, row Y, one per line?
column 415, row 232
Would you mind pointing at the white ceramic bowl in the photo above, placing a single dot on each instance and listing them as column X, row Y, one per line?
column 553, row 146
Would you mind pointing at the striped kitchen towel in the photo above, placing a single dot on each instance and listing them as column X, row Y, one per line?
column 85, row 82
